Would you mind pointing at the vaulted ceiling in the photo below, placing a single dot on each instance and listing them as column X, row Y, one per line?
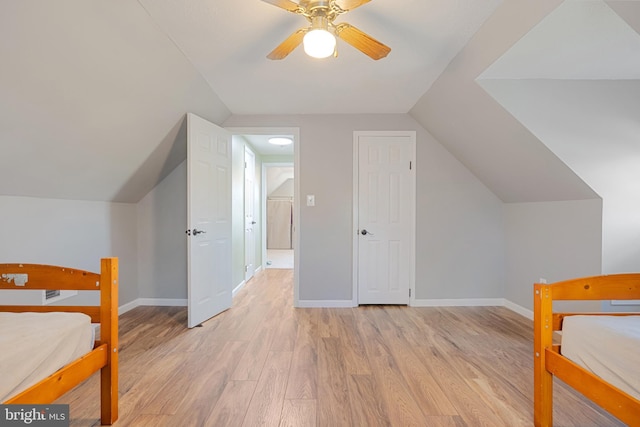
column 574, row 82
column 93, row 93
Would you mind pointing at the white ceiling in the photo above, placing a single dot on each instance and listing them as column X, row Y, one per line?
column 580, row 39
column 514, row 135
column 228, row 40
column 93, row 93
column 92, row 100
column 574, row 82
column 261, row 144
column 276, row 176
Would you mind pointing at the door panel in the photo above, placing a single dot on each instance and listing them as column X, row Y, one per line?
column 385, row 217
column 209, row 215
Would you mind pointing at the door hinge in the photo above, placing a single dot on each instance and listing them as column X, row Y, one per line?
column 246, row 268
column 409, row 292
column 410, row 164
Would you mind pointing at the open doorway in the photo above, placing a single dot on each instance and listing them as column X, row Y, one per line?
column 267, row 156
column 280, row 203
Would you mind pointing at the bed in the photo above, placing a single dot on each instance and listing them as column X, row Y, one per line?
column 569, row 366
column 102, row 357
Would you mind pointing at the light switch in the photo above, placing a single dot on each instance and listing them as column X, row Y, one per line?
column 311, row 200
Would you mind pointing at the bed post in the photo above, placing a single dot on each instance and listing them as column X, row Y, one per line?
column 109, row 335
column 542, row 339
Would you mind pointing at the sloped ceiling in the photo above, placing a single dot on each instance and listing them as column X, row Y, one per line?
column 541, row 104
column 574, row 82
column 484, row 136
column 93, row 93
column 228, row 40
column 92, row 98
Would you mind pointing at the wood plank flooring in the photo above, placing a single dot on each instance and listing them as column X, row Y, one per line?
column 265, row 363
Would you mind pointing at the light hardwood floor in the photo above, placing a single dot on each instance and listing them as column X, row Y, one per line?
column 264, row 362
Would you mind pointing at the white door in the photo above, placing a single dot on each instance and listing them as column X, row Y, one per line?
column 249, row 214
column 209, row 219
column 385, row 216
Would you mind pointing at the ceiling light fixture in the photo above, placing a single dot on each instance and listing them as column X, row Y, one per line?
column 320, row 37
column 280, row 140
column 319, row 42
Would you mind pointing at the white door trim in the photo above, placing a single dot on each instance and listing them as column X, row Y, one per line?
column 296, row 195
column 355, row 235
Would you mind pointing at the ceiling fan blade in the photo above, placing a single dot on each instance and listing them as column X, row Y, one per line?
column 287, row 46
column 361, row 41
column 348, row 5
column 285, row 4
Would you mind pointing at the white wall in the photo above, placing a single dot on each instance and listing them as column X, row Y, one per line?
column 237, row 210
column 162, row 221
column 460, row 228
column 620, row 237
column 238, row 221
column 455, row 211
column 551, row 240
column 621, row 232
column 162, row 245
column 284, row 190
column 469, row 245
column 591, row 126
column 73, row 234
column 278, row 175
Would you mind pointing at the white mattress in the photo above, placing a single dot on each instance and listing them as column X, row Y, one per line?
column 35, row 345
column 608, row 346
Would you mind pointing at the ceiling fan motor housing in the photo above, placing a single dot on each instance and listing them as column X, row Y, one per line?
column 314, row 4
column 316, row 9
column 319, row 23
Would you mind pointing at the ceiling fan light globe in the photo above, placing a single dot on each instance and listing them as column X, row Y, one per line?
column 319, row 43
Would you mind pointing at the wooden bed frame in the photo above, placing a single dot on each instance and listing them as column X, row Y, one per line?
column 548, row 360
column 103, row 357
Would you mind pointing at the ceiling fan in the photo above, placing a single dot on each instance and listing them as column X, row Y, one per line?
column 319, row 38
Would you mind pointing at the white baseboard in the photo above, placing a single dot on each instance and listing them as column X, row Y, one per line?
column 458, row 302
column 474, row 302
column 164, row 302
column 127, row 307
column 237, row 288
column 461, row 302
column 626, row 302
column 161, row 302
column 312, row 303
column 518, row 309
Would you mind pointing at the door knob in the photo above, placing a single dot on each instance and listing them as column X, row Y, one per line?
column 365, row 232
column 195, row 231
